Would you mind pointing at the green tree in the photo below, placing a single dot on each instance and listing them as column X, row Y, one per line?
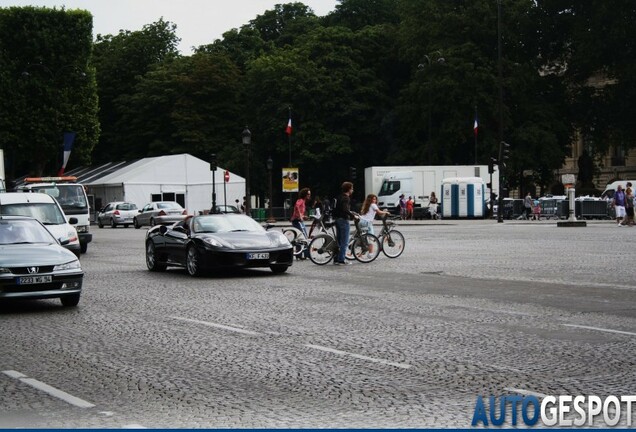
column 120, row 61
column 186, row 105
column 464, row 33
column 48, row 88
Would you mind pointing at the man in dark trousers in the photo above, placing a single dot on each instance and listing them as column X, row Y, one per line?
column 342, row 213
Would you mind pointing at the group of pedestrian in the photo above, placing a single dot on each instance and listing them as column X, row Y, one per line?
column 342, row 214
column 623, row 203
column 406, row 207
column 532, row 208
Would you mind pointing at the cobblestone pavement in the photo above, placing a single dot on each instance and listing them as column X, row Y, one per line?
column 471, row 308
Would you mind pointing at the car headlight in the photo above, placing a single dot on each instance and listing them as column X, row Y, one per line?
column 73, row 265
column 4, row 270
column 279, row 239
column 214, row 242
column 81, row 228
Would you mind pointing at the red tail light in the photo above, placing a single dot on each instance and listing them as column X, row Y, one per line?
column 185, row 212
column 162, row 213
column 116, row 212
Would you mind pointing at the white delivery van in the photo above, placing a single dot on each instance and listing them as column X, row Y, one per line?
column 72, row 198
column 608, row 193
column 45, row 209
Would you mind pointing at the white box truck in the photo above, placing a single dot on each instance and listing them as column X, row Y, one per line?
column 389, row 182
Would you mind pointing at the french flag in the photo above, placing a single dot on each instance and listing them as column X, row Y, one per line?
column 69, row 137
column 476, row 125
column 288, row 130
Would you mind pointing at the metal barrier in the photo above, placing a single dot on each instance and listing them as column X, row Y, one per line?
column 593, row 209
column 584, row 209
column 548, row 208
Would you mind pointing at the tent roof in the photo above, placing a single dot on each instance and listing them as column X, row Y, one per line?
column 180, row 168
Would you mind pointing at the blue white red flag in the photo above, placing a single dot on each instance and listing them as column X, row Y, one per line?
column 69, row 137
column 288, row 130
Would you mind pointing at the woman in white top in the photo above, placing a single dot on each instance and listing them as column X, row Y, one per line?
column 369, row 210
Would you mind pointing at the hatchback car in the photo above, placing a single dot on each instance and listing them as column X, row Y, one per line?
column 45, row 209
column 33, row 264
column 117, row 213
column 217, row 241
column 160, row 213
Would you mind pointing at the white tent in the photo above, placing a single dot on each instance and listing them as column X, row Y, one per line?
column 182, row 178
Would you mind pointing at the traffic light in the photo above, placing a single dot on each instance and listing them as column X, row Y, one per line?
column 504, row 153
column 353, row 173
column 213, row 162
column 491, row 165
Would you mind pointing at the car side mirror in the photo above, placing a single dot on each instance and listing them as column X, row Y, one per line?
column 72, row 220
column 163, row 229
column 140, row 210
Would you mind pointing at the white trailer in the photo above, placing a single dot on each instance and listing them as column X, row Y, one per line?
column 389, row 182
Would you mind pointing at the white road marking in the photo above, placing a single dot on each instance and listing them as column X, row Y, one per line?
column 318, row 347
column 221, row 326
column 133, row 426
column 601, row 329
column 50, row 390
column 358, row 356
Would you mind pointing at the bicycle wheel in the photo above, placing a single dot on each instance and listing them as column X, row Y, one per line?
column 349, row 254
column 291, row 234
column 366, row 248
column 393, row 244
column 321, row 249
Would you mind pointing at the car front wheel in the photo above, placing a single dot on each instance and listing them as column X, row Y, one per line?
column 71, row 300
column 99, row 223
column 193, row 261
column 279, row 268
column 113, row 224
column 136, row 223
column 151, row 258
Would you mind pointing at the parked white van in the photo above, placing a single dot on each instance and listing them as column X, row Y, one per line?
column 45, row 209
column 72, row 198
column 608, row 193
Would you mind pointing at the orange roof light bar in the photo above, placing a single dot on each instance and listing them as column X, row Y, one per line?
column 50, row 179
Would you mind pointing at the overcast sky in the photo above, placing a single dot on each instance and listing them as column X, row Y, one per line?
column 198, row 22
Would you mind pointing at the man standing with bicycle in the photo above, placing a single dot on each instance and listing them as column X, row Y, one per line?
column 342, row 213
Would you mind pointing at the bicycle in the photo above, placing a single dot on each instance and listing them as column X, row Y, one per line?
column 324, row 247
column 363, row 246
column 392, row 240
column 298, row 240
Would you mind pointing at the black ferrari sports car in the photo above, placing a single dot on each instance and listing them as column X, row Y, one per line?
column 217, row 241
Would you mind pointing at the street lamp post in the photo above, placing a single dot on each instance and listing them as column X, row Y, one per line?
column 270, row 166
column 502, row 168
column 247, row 141
column 213, row 169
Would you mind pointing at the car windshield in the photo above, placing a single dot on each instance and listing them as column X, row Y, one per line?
column 70, row 196
column 47, row 213
column 23, row 231
column 126, row 206
column 221, row 224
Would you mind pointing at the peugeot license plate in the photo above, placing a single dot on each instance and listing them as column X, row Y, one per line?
column 28, row 280
column 258, row 255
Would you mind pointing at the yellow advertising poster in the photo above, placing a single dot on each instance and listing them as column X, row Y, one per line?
column 290, row 179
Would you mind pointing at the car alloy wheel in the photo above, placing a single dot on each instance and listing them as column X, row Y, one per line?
column 193, row 262
column 151, row 258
